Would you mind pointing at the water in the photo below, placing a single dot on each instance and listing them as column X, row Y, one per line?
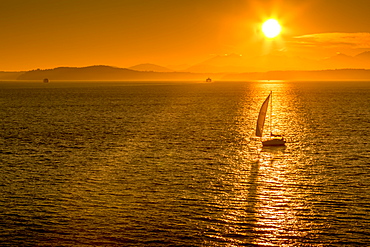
column 177, row 164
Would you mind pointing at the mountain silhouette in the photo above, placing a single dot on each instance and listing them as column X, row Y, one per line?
column 279, row 61
column 97, row 72
column 364, row 57
column 102, row 73
column 306, row 75
column 150, row 67
column 5, row 75
column 226, row 67
column 221, row 63
column 341, row 61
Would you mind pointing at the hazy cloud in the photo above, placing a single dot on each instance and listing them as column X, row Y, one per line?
column 350, row 40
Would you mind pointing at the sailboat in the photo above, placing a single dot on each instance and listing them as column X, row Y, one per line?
column 273, row 140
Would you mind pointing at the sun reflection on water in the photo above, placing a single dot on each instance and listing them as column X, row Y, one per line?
column 268, row 199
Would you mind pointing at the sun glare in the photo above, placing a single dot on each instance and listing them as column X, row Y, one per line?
column 271, row 28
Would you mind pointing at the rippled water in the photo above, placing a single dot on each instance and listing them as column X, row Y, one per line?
column 161, row 164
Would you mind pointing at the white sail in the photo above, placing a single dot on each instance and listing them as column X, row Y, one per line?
column 262, row 117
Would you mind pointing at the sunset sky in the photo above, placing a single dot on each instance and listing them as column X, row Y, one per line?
column 52, row 33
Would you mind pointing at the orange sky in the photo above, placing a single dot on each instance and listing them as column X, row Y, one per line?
column 51, row 33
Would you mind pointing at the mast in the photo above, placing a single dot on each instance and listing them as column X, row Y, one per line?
column 271, row 114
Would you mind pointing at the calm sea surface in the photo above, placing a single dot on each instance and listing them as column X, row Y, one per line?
column 177, row 164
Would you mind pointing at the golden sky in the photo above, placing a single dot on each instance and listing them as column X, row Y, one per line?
column 52, row 33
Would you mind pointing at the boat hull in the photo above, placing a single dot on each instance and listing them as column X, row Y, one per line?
column 274, row 142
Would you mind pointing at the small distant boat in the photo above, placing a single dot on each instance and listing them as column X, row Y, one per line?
column 208, row 80
column 46, row 80
column 273, row 140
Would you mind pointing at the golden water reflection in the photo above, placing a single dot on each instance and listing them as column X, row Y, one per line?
column 313, row 191
column 277, row 202
column 270, row 186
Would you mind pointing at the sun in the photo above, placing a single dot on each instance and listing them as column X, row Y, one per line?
column 271, row 28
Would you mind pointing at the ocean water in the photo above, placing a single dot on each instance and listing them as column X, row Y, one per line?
column 177, row 164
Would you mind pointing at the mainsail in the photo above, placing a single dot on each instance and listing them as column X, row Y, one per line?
column 262, row 117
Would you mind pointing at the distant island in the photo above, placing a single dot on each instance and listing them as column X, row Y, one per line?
column 108, row 73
